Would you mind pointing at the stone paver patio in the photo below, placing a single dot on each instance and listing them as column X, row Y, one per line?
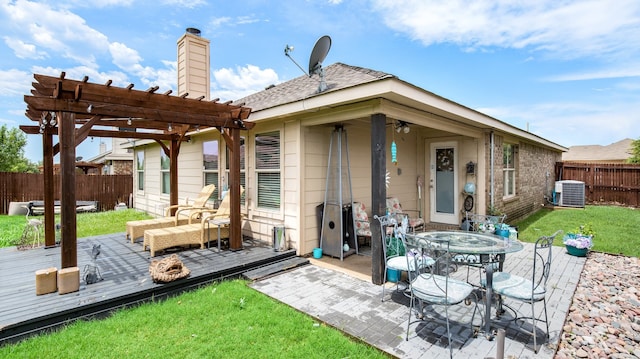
column 353, row 305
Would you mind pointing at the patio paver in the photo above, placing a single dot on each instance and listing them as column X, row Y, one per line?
column 354, row 306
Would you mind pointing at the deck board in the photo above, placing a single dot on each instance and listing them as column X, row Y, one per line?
column 126, row 280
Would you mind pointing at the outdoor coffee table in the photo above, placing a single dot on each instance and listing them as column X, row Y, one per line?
column 489, row 249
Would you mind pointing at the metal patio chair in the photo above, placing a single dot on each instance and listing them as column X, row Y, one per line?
column 432, row 285
column 531, row 289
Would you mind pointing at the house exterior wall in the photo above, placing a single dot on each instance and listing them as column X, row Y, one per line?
column 534, row 177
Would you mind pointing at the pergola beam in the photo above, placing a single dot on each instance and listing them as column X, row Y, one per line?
column 81, row 106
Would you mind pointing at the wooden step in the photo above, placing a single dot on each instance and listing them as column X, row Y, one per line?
column 275, row 268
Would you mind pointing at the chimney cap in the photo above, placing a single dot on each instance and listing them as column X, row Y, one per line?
column 193, row 30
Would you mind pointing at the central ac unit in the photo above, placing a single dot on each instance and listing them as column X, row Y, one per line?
column 570, row 193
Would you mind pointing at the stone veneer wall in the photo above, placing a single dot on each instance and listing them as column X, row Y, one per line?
column 122, row 167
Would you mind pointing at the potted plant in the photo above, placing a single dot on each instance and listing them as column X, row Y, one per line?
column 580, row 240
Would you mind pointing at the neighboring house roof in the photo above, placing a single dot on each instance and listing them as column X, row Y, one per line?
column 616, row 152
column 352, row 84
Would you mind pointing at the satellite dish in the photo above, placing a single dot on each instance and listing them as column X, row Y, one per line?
column 319, row 53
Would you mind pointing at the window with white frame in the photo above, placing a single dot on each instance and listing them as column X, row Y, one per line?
column 243, row 175
column 509, row 169
column 140, row 169
column 210, row 163
column 165, row 169
column 267, row 152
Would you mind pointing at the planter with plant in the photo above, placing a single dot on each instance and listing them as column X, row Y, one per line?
column 580, row 240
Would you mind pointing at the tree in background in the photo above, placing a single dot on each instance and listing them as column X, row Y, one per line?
column 635, row 152
column 12, row 142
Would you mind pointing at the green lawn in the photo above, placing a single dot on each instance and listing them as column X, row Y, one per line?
column 616, row 228
column 225, row 320
column 88, row 224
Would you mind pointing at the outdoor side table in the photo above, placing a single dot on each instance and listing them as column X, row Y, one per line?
column 218, row 222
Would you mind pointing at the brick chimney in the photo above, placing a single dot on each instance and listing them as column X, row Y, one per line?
column 194, row 65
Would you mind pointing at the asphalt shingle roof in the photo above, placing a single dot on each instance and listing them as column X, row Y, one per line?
column 337, row 76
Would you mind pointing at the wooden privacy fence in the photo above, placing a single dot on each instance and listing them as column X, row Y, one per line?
column 604, row 182
column 107, row 190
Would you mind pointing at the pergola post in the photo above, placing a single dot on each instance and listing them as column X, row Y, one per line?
column 49, row 196
column 66, row 134
column 235, row 229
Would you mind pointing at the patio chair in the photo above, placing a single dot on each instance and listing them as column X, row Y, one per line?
column 529, row 290
column 477, row 223
column 393, row 247
column 394, row 208
column 361, row 219
column 482, row 222
column 135, row 229
column 190, row 234
column 432, row 286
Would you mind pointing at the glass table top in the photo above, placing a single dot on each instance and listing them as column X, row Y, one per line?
column 470, row 242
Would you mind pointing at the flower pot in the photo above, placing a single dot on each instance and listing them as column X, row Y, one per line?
column 317, row 253
column 393, row 275
column 578, row 252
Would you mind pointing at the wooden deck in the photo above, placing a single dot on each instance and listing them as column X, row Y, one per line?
column 125, row 269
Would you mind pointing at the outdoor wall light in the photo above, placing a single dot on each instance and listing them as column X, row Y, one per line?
column 129, row 121
column 402, row 126
column 89, row 108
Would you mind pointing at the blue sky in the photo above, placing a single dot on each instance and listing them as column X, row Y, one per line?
column 568, row 71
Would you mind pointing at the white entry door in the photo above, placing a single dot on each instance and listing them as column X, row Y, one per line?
column 444, row 182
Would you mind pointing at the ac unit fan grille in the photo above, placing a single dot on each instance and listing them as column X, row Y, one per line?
column 572, row 194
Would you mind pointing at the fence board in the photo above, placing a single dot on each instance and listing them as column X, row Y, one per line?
column 108, row 190
column 604, row 182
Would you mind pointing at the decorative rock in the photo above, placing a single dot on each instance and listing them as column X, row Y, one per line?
column 604, row 318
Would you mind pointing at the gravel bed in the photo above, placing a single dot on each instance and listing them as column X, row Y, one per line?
column 604, row 317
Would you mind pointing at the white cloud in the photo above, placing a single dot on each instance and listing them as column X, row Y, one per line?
column 607, row 73
column 23, row 50
column 184, row 3
column 59, row 32
column 233, row 84
column 566, row 29
column 15, row 82
column 96, row 3
column 574, row 123
column 62, row 33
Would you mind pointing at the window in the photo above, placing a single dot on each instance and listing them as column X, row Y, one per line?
column 210, row 162
column 140, row 169
column 267, row 147
column 509, row 169
column 165, row 172
column 243, row 176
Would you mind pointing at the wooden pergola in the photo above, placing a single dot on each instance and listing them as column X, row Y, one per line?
column 74, row 110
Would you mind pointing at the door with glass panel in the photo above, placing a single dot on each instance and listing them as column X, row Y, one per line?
column 443, row 182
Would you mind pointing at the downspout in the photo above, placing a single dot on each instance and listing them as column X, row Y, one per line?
column 491, row 176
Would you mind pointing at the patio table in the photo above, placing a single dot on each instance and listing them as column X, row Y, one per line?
column 219, row 222
column 489, row 248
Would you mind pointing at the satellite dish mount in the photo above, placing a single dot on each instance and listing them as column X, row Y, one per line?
column 318, row 54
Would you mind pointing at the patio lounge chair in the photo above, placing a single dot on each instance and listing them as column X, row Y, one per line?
column 135, row 229
column 394, row 208
column 192, row 233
